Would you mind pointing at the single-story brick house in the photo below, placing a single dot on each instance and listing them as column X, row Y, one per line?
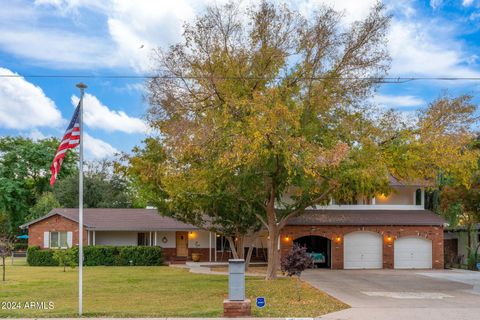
column 131, row 227
column 386, row 231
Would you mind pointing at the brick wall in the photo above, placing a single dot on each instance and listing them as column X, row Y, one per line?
column 53, row 223
column 434, row 233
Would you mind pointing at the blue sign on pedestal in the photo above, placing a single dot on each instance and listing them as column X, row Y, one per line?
column 261, row 302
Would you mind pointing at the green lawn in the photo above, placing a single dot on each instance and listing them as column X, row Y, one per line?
column 150, row 291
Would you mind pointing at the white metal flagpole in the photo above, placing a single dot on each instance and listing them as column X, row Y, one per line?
column 82, row 88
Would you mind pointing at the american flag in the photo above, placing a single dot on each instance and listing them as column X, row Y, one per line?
column 70, row 140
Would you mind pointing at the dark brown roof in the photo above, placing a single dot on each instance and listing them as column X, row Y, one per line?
column 368, row 217
column 120, row 219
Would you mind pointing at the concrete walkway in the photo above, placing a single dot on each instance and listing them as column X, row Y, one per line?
column 204, row 268
column 400, row 294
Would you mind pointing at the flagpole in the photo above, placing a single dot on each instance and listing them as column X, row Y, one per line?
column 82, row 88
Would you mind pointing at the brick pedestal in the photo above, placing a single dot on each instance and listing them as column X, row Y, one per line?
column 237, row 308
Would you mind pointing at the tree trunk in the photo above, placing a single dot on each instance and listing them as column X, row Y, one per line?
column 273, row 254
column 237, row 247
column 249, row 256
column 233, row 247
column 3, row 261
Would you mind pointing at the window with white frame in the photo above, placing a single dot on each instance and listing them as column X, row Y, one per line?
column 58, row 239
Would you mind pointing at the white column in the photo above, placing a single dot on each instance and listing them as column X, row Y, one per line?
column 422, row 201
column 373, row 201
column 210, row 246
column 155, row 238
column 94, row 240
column 215, row 246
column 88, row 237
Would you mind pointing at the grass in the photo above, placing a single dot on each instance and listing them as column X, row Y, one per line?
column 149, row 292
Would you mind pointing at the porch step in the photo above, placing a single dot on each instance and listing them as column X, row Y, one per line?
column 178, row 260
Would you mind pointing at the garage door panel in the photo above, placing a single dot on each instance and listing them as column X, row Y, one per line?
column 413, row 253
column 363, row 250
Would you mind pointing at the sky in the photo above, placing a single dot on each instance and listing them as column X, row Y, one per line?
column 116, row 37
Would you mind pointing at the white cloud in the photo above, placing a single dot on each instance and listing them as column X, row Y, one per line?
column 58, row 49
column 427, row 49
column 435, row 3
column 137, row 29
column 24, row 105
column 36, row 134
column 398, row 101
column 98, row 116
column 418, row 45
column 96, row 148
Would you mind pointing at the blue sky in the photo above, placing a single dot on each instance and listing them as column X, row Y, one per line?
column 115, row 37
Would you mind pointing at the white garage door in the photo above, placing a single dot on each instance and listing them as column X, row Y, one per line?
column 362, row 250
column 412, row 253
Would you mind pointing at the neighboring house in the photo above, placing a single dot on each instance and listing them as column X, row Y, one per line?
column 391, row 231
column 456, row 243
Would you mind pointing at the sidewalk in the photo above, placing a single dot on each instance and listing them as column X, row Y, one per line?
column 204, row 268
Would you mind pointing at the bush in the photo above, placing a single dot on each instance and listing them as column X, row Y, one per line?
column 37, row 257
column 64, row 258
column 140, row 256
column 102, row 256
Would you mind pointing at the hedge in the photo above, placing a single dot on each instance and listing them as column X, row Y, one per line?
column 37, row 257
column 102, row 256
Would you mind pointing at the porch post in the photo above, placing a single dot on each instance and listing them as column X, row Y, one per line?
column 210, row 246
column 215, row 246
column 94, row 240
column 155, row 238
column 88, row 237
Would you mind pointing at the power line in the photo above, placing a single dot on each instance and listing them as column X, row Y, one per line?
column 373, row 79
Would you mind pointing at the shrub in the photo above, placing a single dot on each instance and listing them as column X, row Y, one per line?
column 64, row 258
column 295, row 262
column 140, row 256
column 37, row 257
column 100, row 255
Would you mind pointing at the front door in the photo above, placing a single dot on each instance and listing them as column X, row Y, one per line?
column 182, row 243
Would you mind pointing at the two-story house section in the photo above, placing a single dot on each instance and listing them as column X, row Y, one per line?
column 387, row 231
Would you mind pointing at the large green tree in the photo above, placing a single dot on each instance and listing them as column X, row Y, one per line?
column 265, row 106
column 103, row 188
column 271, row 111
column 25, row 173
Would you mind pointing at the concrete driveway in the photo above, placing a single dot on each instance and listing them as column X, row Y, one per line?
column 401, row 294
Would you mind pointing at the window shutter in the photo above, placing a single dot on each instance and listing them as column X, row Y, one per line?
column 46, row 239
column 69, row 239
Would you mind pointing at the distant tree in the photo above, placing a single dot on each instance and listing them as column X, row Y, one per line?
column 295, row 262
column 103, row 188
column 64, row 258
column 44, row 205
column 25, row 173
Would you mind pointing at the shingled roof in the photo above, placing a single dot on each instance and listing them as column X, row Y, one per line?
column 119, row 219
column 368, row 218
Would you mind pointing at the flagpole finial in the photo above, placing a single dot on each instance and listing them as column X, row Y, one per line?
column 81, row 85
